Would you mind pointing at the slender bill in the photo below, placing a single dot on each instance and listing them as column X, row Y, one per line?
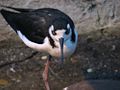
column 61, row 40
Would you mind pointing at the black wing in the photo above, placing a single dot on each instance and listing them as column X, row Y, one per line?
column 33, row 24
column 30, row 24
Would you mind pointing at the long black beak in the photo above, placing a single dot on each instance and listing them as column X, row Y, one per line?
column 61, row 40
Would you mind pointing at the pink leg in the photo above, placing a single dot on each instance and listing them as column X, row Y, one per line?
column 45, row 75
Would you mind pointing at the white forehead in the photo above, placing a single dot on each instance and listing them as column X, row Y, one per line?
column 51, row 28
column 60, row 31
column 68, row 26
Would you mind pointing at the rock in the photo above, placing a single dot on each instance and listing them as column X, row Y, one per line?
column 95, row 85
column 88, row 15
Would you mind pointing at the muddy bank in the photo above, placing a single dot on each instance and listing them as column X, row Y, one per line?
column 95, row 58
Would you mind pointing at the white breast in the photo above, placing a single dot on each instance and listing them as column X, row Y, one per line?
column 69, row 48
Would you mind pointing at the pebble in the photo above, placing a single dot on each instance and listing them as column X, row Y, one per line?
column 105, row 66
column 113, row 47
column 66, row 88
column 12, row 69
column 116, row 70
column 44, row 57
column 18, row 80
column 89, row 70
column 21, row 54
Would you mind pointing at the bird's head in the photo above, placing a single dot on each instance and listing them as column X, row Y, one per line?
column 60, row 31
column 58, row 34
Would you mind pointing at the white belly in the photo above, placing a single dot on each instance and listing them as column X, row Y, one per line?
column 68, row 50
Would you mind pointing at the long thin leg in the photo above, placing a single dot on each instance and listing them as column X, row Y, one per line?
column 45, row 73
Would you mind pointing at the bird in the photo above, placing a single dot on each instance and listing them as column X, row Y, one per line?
column 46, row 30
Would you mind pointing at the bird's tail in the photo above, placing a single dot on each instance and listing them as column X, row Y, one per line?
column 8, row 16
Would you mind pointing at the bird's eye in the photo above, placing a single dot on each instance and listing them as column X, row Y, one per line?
column 67, row 31
column 54, row 33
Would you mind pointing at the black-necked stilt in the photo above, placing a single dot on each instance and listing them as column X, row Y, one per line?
column 45, row 30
